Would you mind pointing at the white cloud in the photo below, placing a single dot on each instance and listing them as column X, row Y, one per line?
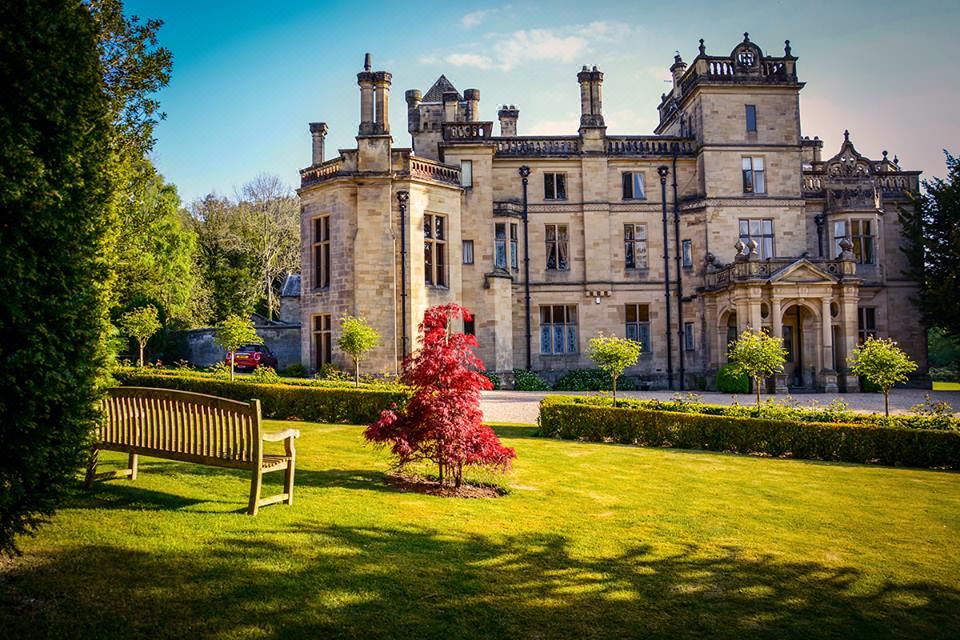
column 469, row 60
column 537, row 44
column 428, row 60
column 565, row 127
column 474, row 18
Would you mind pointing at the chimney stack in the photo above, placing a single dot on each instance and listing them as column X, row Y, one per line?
column 508, row 115
column 318, row 131
column 365, row 80
column 382, row 81
column 413, row 96
column 450, row 103
column 591, row 97
column 472, row 98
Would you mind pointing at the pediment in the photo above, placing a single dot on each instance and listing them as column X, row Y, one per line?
column 802, row 271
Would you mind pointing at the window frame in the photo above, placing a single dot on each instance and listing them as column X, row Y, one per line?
column 435, row 251
column 863, row 331
column 468, row 255
column 689, row 337
column 631, row 242
column 322, row 339
column 568, row 327
column 555, row 182
column 748, row 110
column 514, row 246
column 759, row 238
column 631, row 182
column 321, row 251
column 686, row 253
column 750, row 184
column 500, row 257
column 638, row 328
column 466, row 174
column 559, row 267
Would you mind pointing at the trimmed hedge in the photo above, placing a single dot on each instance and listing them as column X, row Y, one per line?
column 591, row 380
column 284, row 401
column 730, row 379
column 582, row 418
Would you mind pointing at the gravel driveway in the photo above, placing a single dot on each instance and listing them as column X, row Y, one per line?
column 521, row 407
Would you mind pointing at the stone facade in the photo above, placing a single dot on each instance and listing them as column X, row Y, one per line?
column 726, row 218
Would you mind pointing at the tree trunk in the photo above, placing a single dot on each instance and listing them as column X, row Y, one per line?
column 614, row 379
column 141, row 353
column 266, row 278
column 756, row 383
column 231, row 365
column 886, row 402
column 356, row 372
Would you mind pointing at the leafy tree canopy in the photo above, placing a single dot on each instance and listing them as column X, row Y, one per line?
column 356, row 339
column 757, row 355
column 883, row 363
column 140, row 324
column 233, row 333
column 614, row 355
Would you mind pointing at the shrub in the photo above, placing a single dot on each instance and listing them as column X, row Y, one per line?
column 594, row 419
column 329, row 371
column 613, row 355
column 282, row 401
column 730, row 379
column 494, row 379
column 265, row 375
column 882, row 363
column 295, row 370
column 524, row 380
column 357, row 337
column 55, row 248
column 758, row 355
column 590, row 380
column 234, row 332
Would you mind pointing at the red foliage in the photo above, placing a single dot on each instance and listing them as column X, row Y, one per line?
column 442, row 422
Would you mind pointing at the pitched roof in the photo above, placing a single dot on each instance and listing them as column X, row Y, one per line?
column 442, row 85
column 291, row 286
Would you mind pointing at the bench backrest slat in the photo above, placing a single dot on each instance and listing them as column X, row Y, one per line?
column 181, row 422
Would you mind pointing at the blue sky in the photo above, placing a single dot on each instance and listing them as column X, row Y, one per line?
column 248, row 76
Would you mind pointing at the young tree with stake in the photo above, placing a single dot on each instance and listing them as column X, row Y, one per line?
column 356, row 339
column 883, row 363
column 758, row 355
column 140, row 324
column 614, row 355
column 233, row 333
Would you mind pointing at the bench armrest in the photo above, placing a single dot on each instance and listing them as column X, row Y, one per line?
column 280, row 435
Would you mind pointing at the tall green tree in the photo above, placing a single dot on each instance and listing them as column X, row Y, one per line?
column 233, row 333
column 357, row 337
column 883, row 363
column 932, row 228
column 614, row 355
column 55, row 244
column 758, row 356
column 140, row 324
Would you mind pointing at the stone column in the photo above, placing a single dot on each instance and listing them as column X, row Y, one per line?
column 776, row 324
column 585, row 110
column 828, row 377
column 365, row 80
column 318, row 131
column 850, row 297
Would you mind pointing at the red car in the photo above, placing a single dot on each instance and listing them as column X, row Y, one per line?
column 251, row 356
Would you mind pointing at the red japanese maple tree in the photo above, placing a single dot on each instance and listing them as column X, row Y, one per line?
column 442, row 421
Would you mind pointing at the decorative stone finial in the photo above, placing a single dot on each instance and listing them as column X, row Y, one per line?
column 676, row 58
column 896, row 160
column 746, row 36
column 884, row 154
column 703, row 48
column 846, row 135
column 846, row 247
column 752, row 245
column 367, row 62
column 787, row 52
column 739, row 246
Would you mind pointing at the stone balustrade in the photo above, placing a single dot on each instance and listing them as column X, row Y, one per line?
column 538, row 146
column 650, row 146
column 423, row 169
column 321, row 172
column 746, row 270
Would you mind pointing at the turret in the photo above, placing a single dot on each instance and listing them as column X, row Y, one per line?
column 472, row 99
column 318, row 131
column 508, row 120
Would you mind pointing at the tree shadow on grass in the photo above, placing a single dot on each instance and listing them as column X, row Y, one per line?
column 515, row 431
column 354, row 582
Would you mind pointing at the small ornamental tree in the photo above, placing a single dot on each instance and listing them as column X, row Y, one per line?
column 614, row 355
column 233, row 333
column 883, row 363
column 140, row 324
column 356, row 339
column 442, row 422
column 757, row 355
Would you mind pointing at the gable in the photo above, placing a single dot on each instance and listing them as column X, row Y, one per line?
column 802, row 271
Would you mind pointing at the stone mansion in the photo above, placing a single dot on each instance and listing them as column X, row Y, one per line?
column 725, row 218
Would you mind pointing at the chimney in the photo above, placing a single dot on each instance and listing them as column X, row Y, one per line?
column 677, row 69
column 413, row 97
column 318, row 131
column 450, row 103
column 365, row 80
column 382, row 81
column 508, row 120
column 472, row 97
column 591, row 97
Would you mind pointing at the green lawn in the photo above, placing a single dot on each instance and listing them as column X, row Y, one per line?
column 593, row 541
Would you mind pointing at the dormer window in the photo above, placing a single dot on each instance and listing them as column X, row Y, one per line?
column 746, row 58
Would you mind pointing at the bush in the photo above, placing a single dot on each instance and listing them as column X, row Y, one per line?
column 265, row 375
column 283, row 401
column 295, row 370
column 730, row 379
column 494, row 379
column 524, row 380
column 594, row 419
column 56, row 249
column 590, row 380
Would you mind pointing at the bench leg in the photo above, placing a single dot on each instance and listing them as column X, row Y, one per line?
column 132, row 461
column 255, row 484
column 91, row 467
column 288, row 481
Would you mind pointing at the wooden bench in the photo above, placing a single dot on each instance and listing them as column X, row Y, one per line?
column 192, row 427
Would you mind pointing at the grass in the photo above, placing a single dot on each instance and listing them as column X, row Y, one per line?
column 593, row 541
column 946, row 386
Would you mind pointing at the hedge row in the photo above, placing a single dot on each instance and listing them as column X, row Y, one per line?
column 573, row 418
column 379, row 384
column 283, row 401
